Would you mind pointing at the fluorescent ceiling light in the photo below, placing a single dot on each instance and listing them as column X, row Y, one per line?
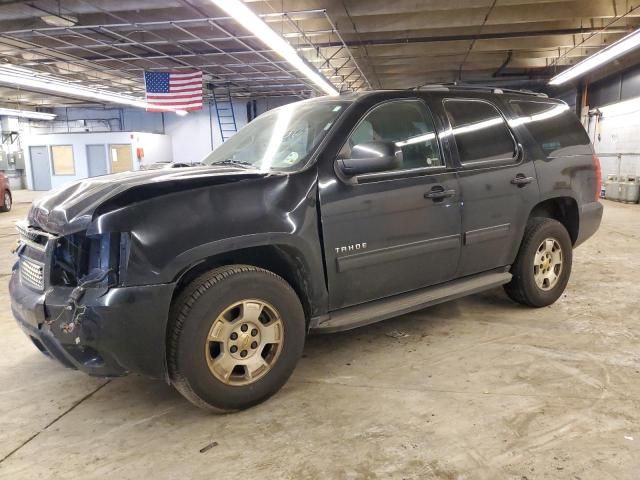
column 621, row 108
column 419, row 139
column 15, row 68
column 255, row 25
column 181, row 113
column 553, row 112
column 24, row 78
column 474, row 127
column 27, row 114
column 277, row 136
column 605, row 55
column 60, row 20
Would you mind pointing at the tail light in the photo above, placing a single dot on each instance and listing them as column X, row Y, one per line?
column 598, row 171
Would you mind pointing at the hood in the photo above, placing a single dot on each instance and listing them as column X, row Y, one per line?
column 71, row 208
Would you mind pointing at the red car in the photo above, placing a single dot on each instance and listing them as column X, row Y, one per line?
column 5, row 193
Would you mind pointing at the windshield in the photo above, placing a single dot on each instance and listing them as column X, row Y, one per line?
column 281, row 139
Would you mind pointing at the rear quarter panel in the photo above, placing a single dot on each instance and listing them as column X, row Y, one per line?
column 565, row 168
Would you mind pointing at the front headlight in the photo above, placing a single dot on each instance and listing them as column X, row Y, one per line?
column 77, row 256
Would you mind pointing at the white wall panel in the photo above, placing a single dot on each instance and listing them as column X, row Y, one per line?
column 187, row 139
column 618, row 134
column 156, row 148
column 190, row 135
column 197, row 133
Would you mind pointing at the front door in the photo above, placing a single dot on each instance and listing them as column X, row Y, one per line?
column 497, row 182
column 391, row 232
column 96, row 160
column 40, row 168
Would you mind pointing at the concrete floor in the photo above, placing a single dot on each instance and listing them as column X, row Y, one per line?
column 479, row 388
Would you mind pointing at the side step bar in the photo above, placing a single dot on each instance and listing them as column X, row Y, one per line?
column 360, row 315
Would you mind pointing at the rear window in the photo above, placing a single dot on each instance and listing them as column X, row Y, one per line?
column 480, row 132
column 553, row 125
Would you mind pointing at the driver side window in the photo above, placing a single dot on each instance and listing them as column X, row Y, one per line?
column 408, row 124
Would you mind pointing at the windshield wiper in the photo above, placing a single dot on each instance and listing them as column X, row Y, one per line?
column 240, row 163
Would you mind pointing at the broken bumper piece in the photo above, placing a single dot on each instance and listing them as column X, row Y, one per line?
column 111, row 334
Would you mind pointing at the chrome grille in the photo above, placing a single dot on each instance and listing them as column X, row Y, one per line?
column 33, row 237
column 32, row 273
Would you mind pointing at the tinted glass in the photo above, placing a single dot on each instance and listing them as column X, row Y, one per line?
column 408, row 124
column 554, row 126
column 480, row 132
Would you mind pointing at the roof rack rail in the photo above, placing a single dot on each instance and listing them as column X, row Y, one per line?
column 458, row 86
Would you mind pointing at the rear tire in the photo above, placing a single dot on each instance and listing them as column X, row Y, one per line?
column 542, row 268
column 235, row 336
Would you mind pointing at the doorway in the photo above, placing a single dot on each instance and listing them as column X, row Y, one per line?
column 96, row 160
column 40, row 168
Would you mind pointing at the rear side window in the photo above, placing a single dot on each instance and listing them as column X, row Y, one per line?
column 480, row 132
column 553, row 126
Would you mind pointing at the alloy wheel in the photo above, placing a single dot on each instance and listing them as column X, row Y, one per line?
column 244, row 342
column 547, row 264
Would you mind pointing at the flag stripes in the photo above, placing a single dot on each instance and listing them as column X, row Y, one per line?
column 171, row 91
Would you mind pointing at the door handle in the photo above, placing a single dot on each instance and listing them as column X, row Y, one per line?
column 520, row 180
column 438, row 193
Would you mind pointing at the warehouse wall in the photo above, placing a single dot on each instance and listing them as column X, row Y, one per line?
column 193, row 136
column 156, row 147
column 616, row 133
column 188, row 138
column 197, row 133
column 615, row 88
column 76, row 120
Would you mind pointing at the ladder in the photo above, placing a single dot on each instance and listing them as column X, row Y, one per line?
column 224, row 112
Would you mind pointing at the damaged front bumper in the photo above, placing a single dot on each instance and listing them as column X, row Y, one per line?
column 120, row 331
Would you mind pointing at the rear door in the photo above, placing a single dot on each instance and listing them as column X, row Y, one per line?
column 391, row 232
column 497, row 181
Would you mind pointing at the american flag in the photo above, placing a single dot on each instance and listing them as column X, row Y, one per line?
column 171, row 91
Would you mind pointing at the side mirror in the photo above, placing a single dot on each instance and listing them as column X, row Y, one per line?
column 371, row 157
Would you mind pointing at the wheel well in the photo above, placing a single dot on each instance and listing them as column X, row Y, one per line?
column 281, row 260
column 562, row 209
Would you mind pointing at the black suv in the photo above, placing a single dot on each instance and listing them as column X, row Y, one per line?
column 319, row 216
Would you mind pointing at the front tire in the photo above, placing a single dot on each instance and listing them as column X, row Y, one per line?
column 543, row 265
column 235, row 337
